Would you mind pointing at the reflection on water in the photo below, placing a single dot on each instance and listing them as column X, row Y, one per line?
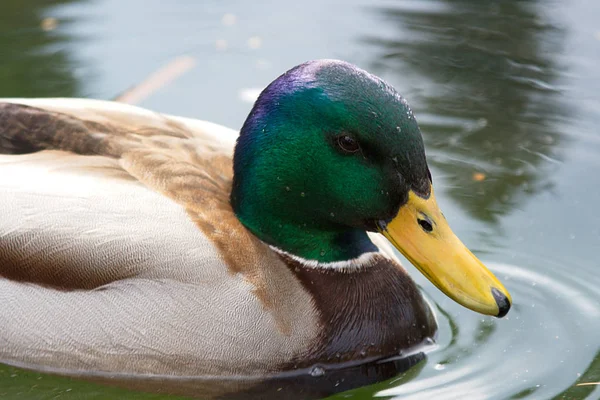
column 497, row 89
column 34, row 62
column 495, row 360
column 586, row 383
column 294, row 385
column 488, row 97
column 489, row 83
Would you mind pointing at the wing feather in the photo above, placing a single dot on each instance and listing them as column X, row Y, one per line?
column 119, row 251
column 92, row 192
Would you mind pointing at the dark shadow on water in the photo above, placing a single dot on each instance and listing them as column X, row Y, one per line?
column 484, row 83
column 297, row 385
column 34, row 61
column 588, row 382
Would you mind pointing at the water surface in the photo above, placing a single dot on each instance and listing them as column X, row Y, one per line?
column 507, row 95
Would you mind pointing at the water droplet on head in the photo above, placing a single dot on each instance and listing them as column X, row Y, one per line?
column 316, row 372
column 428, row 341
column 254, row 42
column 221, row 44
column 229, row 19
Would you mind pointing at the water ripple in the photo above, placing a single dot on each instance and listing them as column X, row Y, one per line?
column 552, row 328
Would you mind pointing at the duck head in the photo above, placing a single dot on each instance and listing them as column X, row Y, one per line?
column 330, row 152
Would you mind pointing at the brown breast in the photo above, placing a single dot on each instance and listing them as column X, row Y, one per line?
column 375, row 311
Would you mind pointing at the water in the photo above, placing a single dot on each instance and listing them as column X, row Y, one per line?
column 507, row 95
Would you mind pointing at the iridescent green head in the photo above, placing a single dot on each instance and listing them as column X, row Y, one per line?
column 327, row 151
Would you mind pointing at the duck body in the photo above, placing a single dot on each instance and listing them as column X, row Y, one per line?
column 120, row 253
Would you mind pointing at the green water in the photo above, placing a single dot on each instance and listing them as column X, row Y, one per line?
column 508, row 98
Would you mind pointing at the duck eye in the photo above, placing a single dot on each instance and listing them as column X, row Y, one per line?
column 347, row 143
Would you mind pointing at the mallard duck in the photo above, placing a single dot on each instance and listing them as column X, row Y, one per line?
column 133, row 242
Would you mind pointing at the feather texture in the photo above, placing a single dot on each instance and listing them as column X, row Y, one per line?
column 120, row 221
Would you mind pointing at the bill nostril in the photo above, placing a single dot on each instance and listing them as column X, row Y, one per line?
column 425, row 225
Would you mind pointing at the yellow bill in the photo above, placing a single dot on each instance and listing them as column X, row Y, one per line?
column 420, row 232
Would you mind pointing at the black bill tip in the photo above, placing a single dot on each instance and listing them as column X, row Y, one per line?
column 502, row 302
